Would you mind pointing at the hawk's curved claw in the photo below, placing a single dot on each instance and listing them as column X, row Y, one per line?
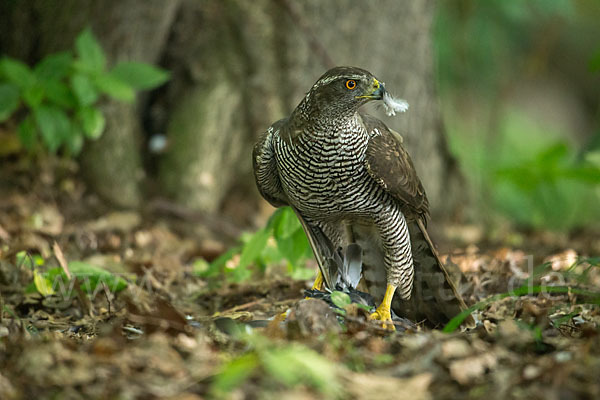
column 385, row 316
column 383, row 313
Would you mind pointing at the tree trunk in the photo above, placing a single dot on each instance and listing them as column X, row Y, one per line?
column 128, row 30
column 248, row 64
column 222, row 54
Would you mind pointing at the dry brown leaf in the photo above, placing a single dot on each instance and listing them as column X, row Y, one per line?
column 456, row 348
column 371, row 386
column 62, row 261
column 123, row 221
column 470, row 369
column 4, row 234
column 562, row 261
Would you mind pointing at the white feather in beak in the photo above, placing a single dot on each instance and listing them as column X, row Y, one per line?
column 393, row 105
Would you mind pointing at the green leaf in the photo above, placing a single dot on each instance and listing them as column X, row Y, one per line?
column 140, row 76
column 33, row 95
column 235, row 372
column 9, row 100
column 594, row 63
column 74, row 143
column 594, row 261
column 59, row 93
column 200, row 267
column 297, row 365
column 253, row 248
column 553, row 154
column 275, row 217
column 17, row 72
column 54, row 125
column 84, row 89
column 238, row 274
column 583, row 174
column 92, row 121
column 115, row 88
column 91, row 276
column 294, row 247
column 28, row 133
column 90, row 52
column 340, row 299
column 286, row 224
column 593, row 157
column 54, row 66
column 42, row 284
column 23, row 260
column 216, row 265
column 27, row 260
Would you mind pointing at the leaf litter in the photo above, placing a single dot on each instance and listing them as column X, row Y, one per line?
column 170, row 332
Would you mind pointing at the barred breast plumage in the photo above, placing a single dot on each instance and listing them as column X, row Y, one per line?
column 349, row 180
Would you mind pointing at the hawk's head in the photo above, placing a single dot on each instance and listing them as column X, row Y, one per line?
column 345, row 89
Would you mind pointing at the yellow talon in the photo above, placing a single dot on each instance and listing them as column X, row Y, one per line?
column 318, row 285
column 383, row 313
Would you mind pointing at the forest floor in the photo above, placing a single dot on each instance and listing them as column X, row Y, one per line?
column 151, row 328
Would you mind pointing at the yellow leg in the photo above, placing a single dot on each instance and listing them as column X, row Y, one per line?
column 318, row 282
column 383, row 313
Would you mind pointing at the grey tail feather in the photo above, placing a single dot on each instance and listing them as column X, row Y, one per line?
column 323, row 249
column 434, row 296
column 352, row 266
column 341, row 267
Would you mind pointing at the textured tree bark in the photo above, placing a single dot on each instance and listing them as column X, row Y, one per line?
column 268, row 53
column 226, row 93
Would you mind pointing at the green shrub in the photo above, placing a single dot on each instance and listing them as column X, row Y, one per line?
column 60, row 94
column 289, row 244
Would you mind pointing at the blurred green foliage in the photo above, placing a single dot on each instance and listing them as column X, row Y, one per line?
column 284, row 364
column 521, row 165
column 54, row 281
column 282, row 240
column 59, row 96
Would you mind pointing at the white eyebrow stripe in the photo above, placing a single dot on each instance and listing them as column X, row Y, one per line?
column 330, row 79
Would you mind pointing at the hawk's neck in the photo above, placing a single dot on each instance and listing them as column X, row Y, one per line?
column 308, row 117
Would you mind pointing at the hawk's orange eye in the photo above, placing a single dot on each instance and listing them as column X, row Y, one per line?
column 351, row 84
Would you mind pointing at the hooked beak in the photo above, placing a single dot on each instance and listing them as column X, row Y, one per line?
column 376, row 91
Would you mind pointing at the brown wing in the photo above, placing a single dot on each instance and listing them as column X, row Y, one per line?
column 390, row 165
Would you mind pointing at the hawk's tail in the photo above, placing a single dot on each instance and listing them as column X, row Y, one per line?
column 323, row 250
column 434, row 296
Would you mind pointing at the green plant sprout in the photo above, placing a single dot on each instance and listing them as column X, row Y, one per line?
column 257, row 250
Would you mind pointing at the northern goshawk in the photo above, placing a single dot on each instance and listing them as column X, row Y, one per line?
column 349, row 180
